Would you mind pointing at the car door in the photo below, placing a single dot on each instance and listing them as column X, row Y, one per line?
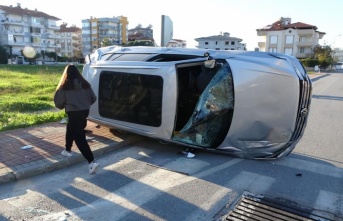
column 138, row 97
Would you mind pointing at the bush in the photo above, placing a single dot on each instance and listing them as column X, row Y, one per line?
column 308, row 62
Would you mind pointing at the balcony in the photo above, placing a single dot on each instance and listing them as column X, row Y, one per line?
column 35, row 34
column 36, row 25
column 105, row 35
column 305, row 32
column 6, row 21
column 305, row 44
column 54, row 27
column 17, row 43
column 301, row 55
column 261, row 33
column 52, row 36
column 13, row 32
column 36, row 44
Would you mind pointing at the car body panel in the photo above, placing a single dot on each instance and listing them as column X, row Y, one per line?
column 267, row 126
column 246, row 104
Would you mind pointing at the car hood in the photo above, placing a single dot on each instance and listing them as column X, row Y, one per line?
column 266, row 103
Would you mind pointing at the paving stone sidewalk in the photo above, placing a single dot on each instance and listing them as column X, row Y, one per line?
column 30, row 151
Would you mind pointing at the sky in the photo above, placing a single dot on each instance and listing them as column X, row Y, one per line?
column 202, row 18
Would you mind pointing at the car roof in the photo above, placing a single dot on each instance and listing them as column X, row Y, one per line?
column 185, row 51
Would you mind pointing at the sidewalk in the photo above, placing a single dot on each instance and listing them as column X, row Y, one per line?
column 45, row 144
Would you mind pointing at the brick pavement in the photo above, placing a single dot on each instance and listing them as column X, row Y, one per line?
column 46, row 142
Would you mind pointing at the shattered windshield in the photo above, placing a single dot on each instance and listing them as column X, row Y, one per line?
column 211, row 118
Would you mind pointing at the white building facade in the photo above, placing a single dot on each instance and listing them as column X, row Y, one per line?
column 295, row 39
column 177, row 43
column 221, row 42
column 21, row 27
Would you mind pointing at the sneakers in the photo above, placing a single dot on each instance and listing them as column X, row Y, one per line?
column 92, row 167
column 64, row 121
column 66, row 153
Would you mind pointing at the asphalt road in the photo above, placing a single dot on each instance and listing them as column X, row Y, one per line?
column 152, row 181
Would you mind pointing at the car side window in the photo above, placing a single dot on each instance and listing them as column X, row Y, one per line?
column 134, row 98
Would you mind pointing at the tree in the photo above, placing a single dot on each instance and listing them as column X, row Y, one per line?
column 141, row 43
column 105, row 42
column 324, row 55
column 3, row 55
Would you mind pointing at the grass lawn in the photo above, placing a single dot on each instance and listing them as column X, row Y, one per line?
column 26, row 95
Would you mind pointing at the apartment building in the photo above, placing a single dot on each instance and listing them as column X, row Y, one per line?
column 95, row 30
column 221, row 42
column 141, row 34
column 70, row 41
column 296, row 39
column 177, row 43
column 20, row 27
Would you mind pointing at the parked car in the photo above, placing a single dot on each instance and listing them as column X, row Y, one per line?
column 246, row 104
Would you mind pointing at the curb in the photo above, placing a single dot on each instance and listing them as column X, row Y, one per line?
column 58, row 161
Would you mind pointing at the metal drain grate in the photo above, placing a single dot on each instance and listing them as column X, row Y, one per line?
column 252, row 208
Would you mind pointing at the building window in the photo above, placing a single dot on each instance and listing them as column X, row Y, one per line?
column 86, row 24
column 216, row 42
column 272, row 49
column 94, row 31
column 273, row 39
column 227, row 43
column 289, row 39
column 206, row 43
column 62, row 34
column 94, row 24
column 302, row 39
column 86, row 32
column 289, row 51
column 302, row 50
column 232, row 43
column 217, row 48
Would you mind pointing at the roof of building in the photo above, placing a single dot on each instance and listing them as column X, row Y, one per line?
column 17, row 10
column 278, row 25
column 219, row 38
column 64, row 28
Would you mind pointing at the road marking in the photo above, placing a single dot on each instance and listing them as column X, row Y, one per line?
column 329, row 201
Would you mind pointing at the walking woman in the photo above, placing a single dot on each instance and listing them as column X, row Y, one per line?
column 75, row 95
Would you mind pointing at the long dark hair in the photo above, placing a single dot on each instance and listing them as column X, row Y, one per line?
column 71, row 73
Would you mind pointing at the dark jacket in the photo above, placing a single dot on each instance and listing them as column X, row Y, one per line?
column 77, row 99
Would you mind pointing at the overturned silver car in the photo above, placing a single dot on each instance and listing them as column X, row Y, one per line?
column 246, row 104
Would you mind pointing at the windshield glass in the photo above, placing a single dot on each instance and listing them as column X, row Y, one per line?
column 211, row 118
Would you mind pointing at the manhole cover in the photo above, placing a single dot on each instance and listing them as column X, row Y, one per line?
column 253, row 208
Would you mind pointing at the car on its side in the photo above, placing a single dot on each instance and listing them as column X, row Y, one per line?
column 246, row 104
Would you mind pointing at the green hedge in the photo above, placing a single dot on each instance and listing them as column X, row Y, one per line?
column 308, row 62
